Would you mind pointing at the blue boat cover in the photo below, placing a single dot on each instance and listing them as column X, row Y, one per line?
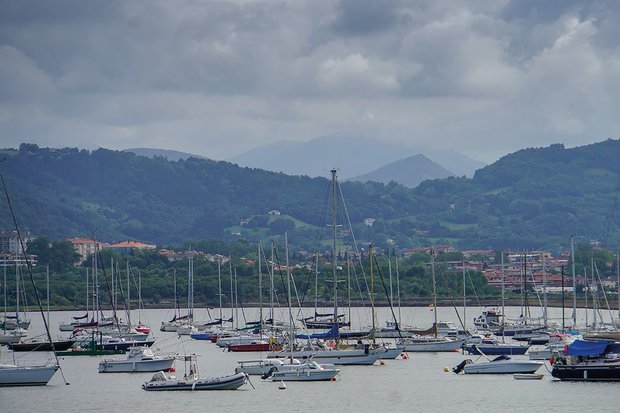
column 331, row 333
column 586, row 348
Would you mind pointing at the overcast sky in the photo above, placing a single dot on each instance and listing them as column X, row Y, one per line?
column 216, row 78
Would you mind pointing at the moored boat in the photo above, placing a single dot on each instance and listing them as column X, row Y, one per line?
column 139, row 359
column 589, row 361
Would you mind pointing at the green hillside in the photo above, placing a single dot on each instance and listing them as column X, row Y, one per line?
column 531, row 198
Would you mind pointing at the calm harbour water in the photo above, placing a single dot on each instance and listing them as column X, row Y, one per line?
column 416, row 384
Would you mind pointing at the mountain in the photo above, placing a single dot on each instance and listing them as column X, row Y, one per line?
column 532, row 198
column 353, row 154
column 169, row 154
column 408, row 172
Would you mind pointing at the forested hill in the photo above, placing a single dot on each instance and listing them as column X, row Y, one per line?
column 528, row 199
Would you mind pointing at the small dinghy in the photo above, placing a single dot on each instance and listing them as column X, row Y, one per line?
column 525, row 376
column 192, row 381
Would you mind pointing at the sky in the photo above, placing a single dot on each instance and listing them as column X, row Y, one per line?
column 217, row 78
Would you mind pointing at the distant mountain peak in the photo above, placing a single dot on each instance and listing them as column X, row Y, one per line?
column 410, row 172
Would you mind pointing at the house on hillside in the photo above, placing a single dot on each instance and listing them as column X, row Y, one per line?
column 130, row 246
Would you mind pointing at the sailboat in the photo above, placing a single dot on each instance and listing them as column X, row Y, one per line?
column 12, row 329
column 23, row 375
column 432, row 343
column 323, row 354
column 309, row 370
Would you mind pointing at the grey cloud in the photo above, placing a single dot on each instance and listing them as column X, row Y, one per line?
column 219, row 77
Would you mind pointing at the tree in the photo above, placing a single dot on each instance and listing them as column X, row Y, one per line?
column 62, row 256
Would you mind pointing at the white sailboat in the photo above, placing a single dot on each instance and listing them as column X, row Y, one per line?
column 321, row 353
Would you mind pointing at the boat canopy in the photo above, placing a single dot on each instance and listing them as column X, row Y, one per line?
column 331, row 333
column 586, row 348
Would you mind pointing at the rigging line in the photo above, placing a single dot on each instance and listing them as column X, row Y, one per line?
column 445, row 281
column 600, row 282
column 105, row 276
column 29, row 266
column 389, row 299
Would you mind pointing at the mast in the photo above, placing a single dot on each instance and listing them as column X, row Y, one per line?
column 390, row 273
column 288, row 289
column 128, row 296
column 47, row 279
column 349, row 284
column 594, row 294
column 563, row 304
column 232, row 293
column 544, row 291
column 572, row 249
column 271, row 292
column 316, row 284
column 585, row 290
column 334, row 260
column 176, row 296
column 260, row 292
column 4, row 265
column 372, row 295
column 526, row 309
column 87, row 294
column 617, row 283
column 503, row 302
column 464, row 299
column 96, row 307
column 219, row 282
column 236, row 300
column 190, row 289
column 139, row 297
column 398, row 292
column 434, row 290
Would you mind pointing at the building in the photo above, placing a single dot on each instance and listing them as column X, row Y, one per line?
column 130, row 246
column 83, row 246
column 9, row 242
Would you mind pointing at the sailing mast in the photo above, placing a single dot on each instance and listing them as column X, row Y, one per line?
column 503, row 302
column 464, row 299
column 260, row 292
column 572, row 249
column 271, row 292
column 398, row 292
column 128, row 295
column 316, row 285
column 434, row 290
column 290, row 307
column 544, row 290
column 334, row 259
column 219, row 282
column 372, row 295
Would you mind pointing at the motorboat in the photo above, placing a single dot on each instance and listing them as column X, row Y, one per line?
column 139, row 359
column 308, row 371
column 192, row 381
column 589, row 361
column 499, row 365
column 186, row 330
column 555, row 346
column 13, row 375
column 430, row 344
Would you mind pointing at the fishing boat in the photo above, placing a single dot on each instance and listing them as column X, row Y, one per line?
column 192, row 381
column 499, row 365
column 139, row 359
column 589, row 361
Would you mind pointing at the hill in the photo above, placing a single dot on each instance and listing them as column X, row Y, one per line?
column 353, row 154
column 535, row 197
column 169, row 154
column 409, row 172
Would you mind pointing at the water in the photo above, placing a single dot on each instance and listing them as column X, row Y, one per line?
column 416, row 384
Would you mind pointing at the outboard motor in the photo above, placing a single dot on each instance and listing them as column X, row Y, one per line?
column 268, row 374
column 459, row 367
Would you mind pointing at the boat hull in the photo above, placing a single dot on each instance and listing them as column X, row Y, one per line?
column 123, row 366
column 497, row 350
column 586, row 372
column 304, row 375
column 433, row 347
column 337, row 357
column 507, row 367
column 26, row 376
column 232, row 382
column 43, row 346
